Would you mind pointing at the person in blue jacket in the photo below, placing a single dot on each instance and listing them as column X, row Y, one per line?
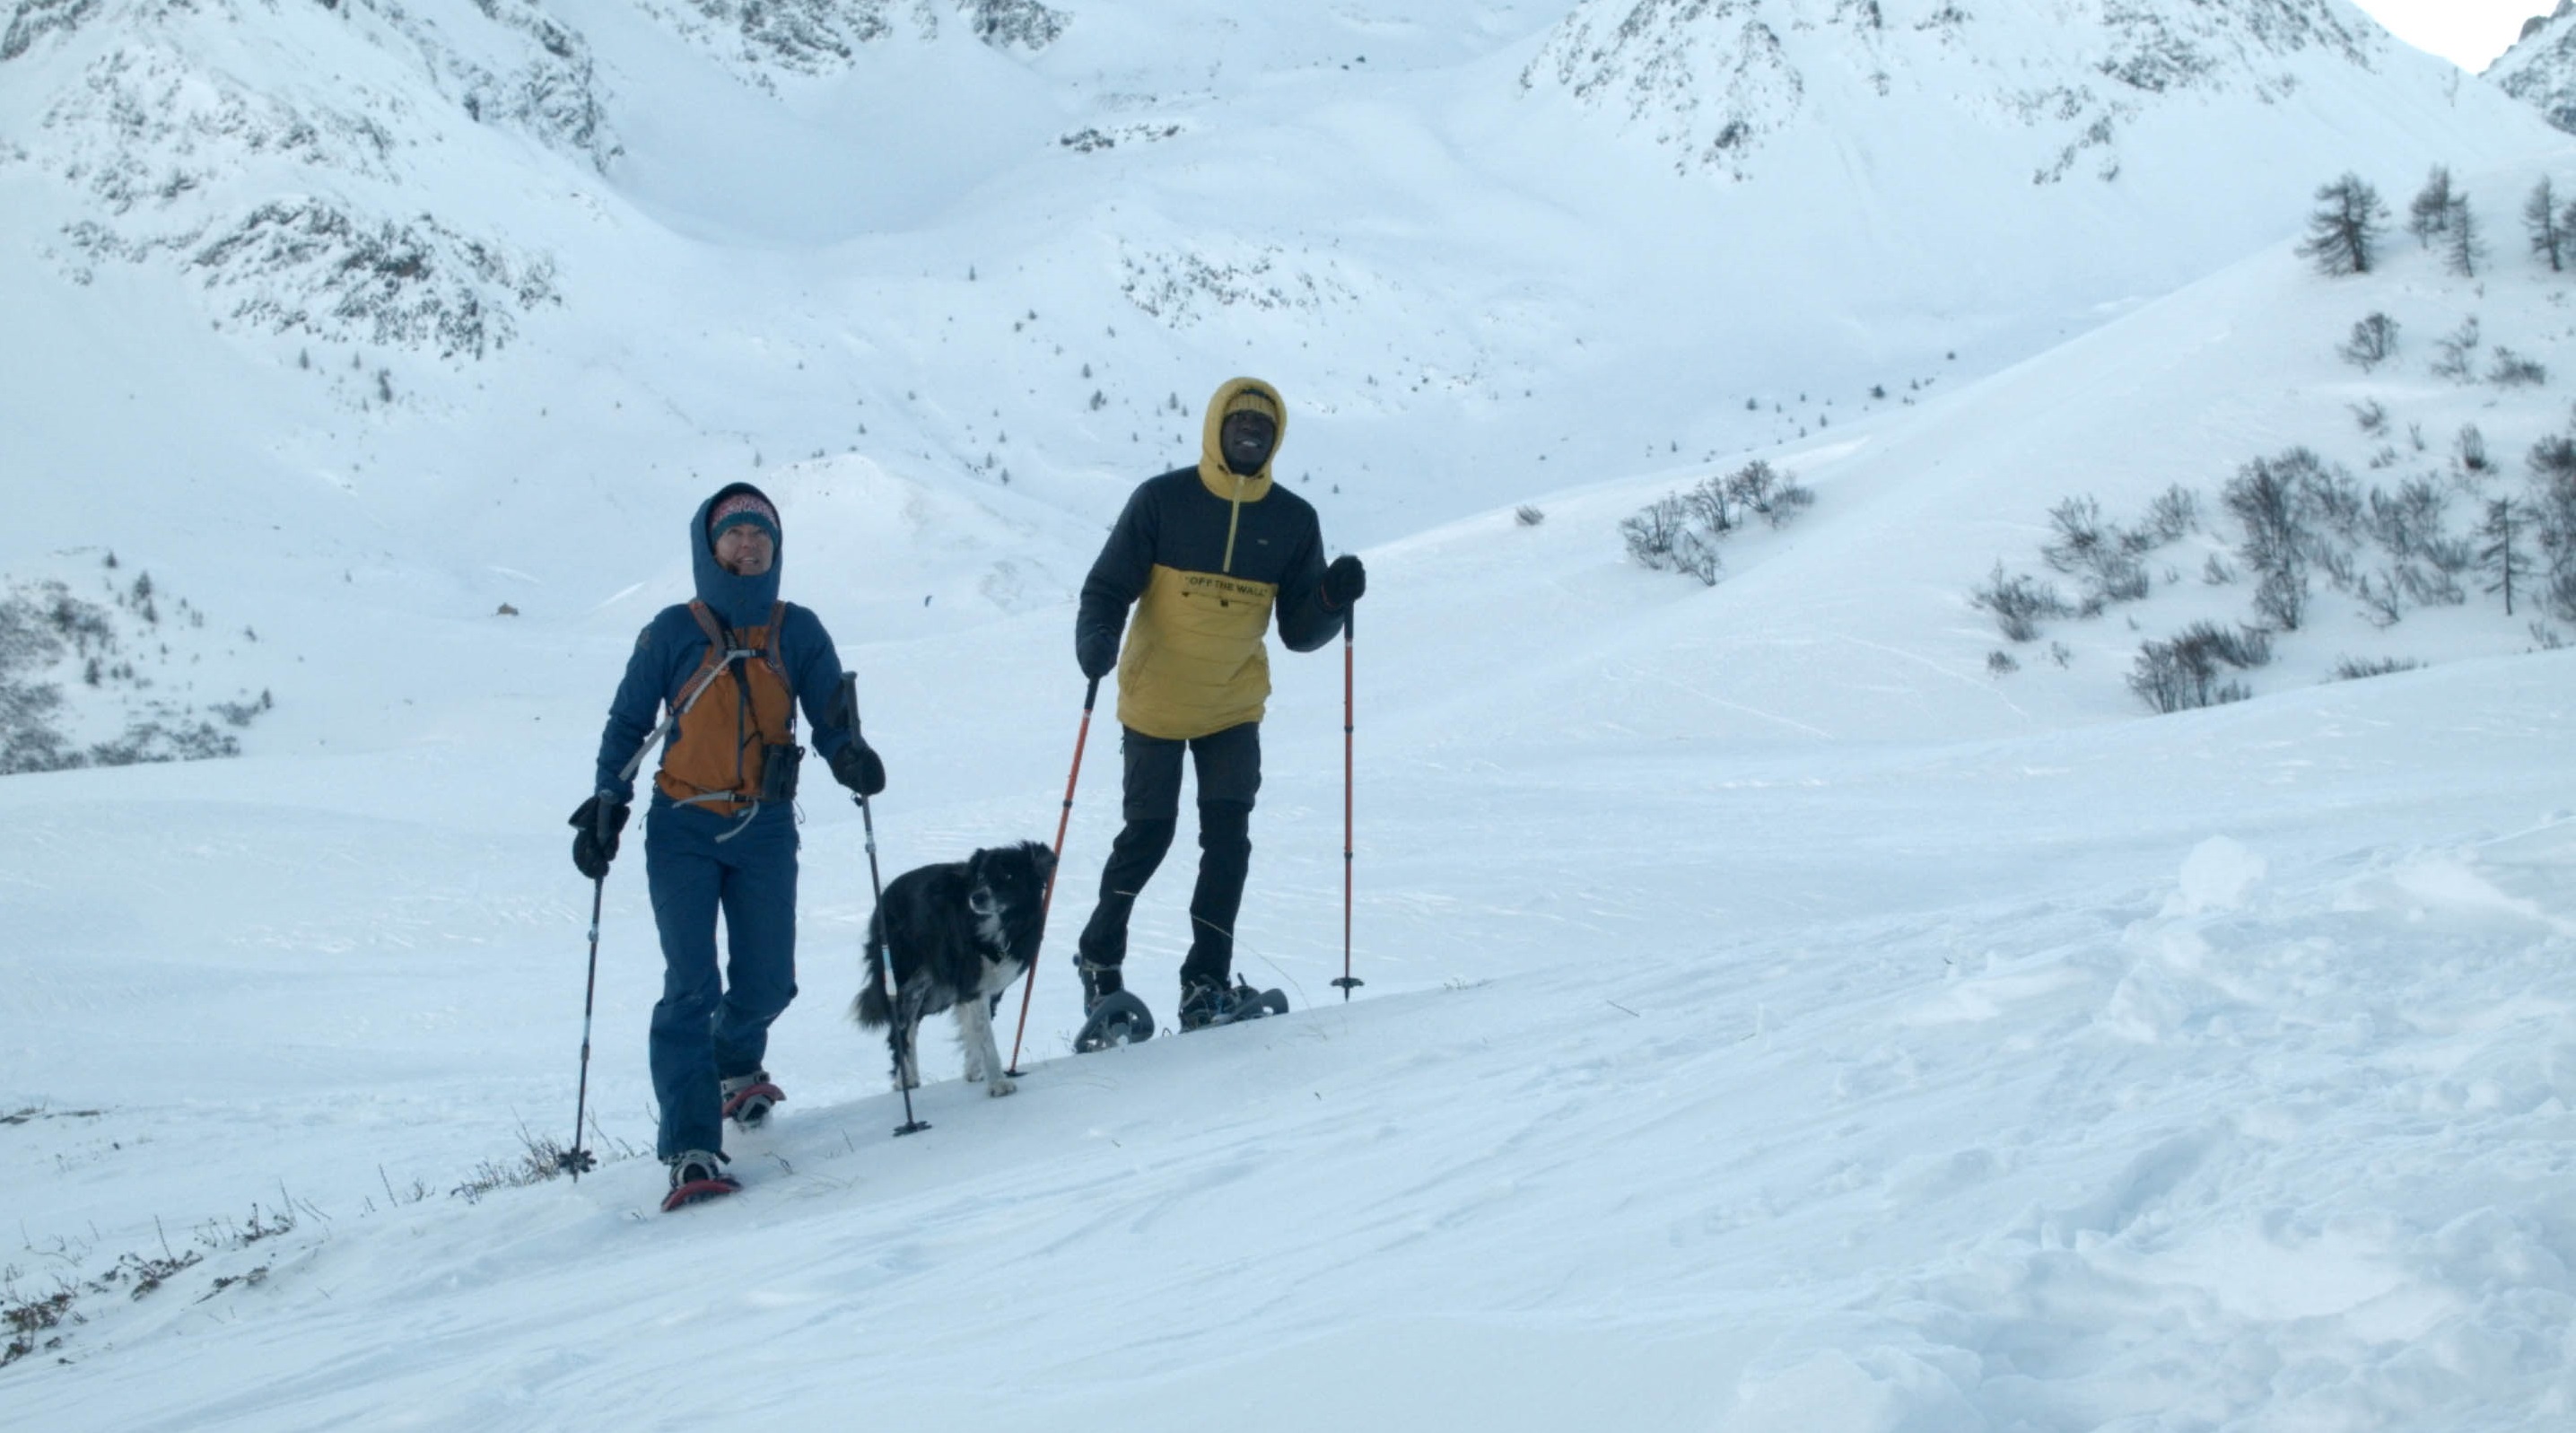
column 731, row 668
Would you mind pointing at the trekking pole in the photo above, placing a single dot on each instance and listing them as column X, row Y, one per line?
column 1030, row 981
column 1348, row 982
column 848, row 708
column 575, row 1160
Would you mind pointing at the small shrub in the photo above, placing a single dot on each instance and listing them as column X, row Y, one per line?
column 2373, row 342
column 1680, row 532
column 1774, row 495
column 2018, row 603
column 2174, row 512
column 1695, row 553
column 2080, row 536
column 2469, row 450
column 2120, row 578
column 2407, row 521
column 2512, row 370
column 1528, row 516
column 31, row 1320
column 2000, row 663
column 2381, row 601
column 2458, row 351
column 2354, row 669
column 2188, row 671
column 540, row 1159
column 2281, row 599
column 1651, row 531
column 2372, row 416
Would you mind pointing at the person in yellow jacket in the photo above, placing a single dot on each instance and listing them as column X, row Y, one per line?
column 1206, row 555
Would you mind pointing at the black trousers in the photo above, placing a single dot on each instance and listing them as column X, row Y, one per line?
column 1229, row 776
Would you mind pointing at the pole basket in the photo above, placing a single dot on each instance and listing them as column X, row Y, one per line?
column 576, row 1162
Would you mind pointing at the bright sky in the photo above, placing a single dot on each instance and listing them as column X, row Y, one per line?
column 2468, row 33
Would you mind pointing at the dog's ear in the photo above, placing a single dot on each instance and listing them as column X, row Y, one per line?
column 1041, row 860
column 979, row 884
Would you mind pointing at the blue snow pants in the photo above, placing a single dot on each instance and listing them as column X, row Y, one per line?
column 708, row 1029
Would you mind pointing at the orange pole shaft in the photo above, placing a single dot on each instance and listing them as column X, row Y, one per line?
column 1028, row 984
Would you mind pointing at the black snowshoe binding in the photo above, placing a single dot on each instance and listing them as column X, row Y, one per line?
column 1113, row 1017
column 697, row 1176
column 1118, row 1018
column 1206, row 1005
column 748, row 1098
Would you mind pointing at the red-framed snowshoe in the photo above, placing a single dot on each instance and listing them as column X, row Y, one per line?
column 748, row 1098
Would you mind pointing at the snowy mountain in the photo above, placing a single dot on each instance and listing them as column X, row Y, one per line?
column 2540, row 69
column 487, row 276
column 2060, row 83
column 1780, row 1015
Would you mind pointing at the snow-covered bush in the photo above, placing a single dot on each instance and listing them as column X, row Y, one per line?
column 2189, row 670
column 2458, row 349
column 1679, row 532
column 2018, row 602
column 2373, row 342
column 2512, row 370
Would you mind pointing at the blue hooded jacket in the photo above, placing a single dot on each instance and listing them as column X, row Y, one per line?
column 670, row 649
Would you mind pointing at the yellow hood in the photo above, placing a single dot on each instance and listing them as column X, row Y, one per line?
column 1234, row 396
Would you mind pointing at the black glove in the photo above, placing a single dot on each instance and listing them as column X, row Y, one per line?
column 1096, row 649
column 591, row 852
column 1344, row 581
column 858, row 768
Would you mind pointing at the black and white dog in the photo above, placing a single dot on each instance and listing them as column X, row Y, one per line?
column 960, row 934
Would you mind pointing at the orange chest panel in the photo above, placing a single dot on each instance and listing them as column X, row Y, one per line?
column 718, row 744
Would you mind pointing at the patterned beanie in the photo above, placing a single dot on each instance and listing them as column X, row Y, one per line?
column 741, row 508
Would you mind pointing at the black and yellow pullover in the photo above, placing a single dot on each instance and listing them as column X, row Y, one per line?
column 1206, row 556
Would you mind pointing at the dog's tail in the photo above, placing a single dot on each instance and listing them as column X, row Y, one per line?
column 870, row 1008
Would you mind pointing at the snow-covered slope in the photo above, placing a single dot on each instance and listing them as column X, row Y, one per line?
column 1775, row 1019
column 2540, row 69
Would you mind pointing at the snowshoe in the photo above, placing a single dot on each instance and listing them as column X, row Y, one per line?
column 698, row 1176
column 1206, row 1005
column 1116, row 1019
column 748, row 1098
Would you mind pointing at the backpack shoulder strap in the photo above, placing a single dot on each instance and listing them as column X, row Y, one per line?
column 707, row 623
column 774, row 652
column 720, row 653
column 774, row 649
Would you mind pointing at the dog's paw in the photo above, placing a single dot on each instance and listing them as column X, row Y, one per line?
column 974, row 1074
column 1001, row 1085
